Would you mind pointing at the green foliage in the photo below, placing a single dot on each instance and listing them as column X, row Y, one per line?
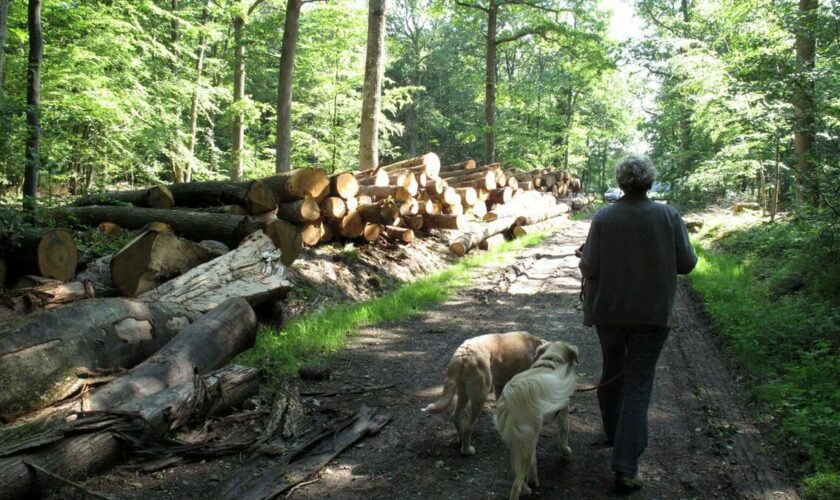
column 822, row 486
column 319, row 334
column 771, row 290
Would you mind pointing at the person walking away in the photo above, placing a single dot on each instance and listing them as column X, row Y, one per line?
column 630, row 261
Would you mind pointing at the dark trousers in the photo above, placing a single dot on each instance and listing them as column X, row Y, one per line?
column 629, row 354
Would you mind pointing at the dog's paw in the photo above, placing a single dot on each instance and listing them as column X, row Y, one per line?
column 468, row 451
column 566, row 452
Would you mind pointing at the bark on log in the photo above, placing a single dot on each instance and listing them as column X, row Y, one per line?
column 431, row 207
column 299, row 211
column 492, row 242
column 450, row 196
column 298, row 184
column 529, row 199
column 327, row 233
column 254, row 196
column 253, row 271
column 428, row 163
column 558, row 221
column 196, row 226
column 435, row 186
column 484, row 180
column 209, row 343
column 414, row 222
column 153, row 197
column 50, row 253
column 464, row 165
column 383, row 212
column 45, row 293
column 479, row 210
column 456, row 209
column 445, row 221
column 152, row 258
column 92, row 444
column 500, row 196
column 455, row 174
column 344, row 185
column 378, row 178
column 43, row 354
column 286, row 238
column 400, row 234
column 398, row 193
column 334, row 207
column 98, row 274
column 466, row 240
column 352, row 204
column 539, row 214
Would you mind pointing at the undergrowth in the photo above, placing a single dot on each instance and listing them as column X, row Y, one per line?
column 312, row 337
column 773, row 291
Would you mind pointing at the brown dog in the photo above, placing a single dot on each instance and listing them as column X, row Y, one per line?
column 537, row 395
column 478, row 366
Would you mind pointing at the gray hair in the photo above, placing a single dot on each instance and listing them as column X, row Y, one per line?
column 635, row 174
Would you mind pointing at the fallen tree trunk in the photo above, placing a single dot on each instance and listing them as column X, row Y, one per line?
column 464, row 165
column 398, row 193
column 98, row 274
column 154, row 197
column 152, row 258
column 253, row 271
column 468, row 195
column 539, row 214
column 400, row 234
column 333, row 207
column 196, row 226
column 372, row 231
column 209, row 343
column 429, row 163
column 375, row 178
column 466, row 240
column 254, row 196
column 492, row 242
column 482, row 180
column 312, row 233
column 44, row 354
column 50, row 253
column 557, row 221
column 352, row 225
column 92, row 443
column 443, row 221
column 45, row 293
column 382, row 212
column 299, row 184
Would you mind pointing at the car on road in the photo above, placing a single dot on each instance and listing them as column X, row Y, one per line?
column 612, row 195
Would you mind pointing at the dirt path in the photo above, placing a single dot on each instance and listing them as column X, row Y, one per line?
column 702, row 444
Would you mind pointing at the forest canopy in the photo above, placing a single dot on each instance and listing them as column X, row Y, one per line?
column 728, row 96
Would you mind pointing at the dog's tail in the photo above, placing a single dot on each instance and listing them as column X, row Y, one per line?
column 450, row 385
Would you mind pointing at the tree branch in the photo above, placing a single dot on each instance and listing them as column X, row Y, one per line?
column 472, row 6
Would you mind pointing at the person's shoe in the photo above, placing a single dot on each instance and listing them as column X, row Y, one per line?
column 626, row 483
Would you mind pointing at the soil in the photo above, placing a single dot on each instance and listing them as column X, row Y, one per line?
column 704, row 439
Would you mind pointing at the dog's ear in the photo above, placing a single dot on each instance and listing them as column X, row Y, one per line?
column 541, row 349
column 575, row 354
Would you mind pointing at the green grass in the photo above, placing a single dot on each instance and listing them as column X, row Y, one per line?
column 772, row 291
column 312, row 337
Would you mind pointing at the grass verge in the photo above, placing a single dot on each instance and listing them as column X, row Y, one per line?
column 313, row 336
column 772, row 292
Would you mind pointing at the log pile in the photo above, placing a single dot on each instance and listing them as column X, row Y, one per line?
column 174, row 304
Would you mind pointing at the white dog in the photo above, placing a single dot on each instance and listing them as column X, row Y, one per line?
column 535, row 396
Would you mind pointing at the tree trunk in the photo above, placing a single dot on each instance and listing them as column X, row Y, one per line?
column 399, row 234
column 312, row 233
column 500, row 196
column 44, row 293
column 154, row 197
column 33, row 103
column 803, row 100
column 372, row 91
column 490, row 85
column 398, row 193
column 383, row 212
column 429, row 163
column 466, row 240
column 525, row 200
column 199, row 69
column 255, row 196
column 44, row 354
column 539, row 214
column 254, row 271
column 464, row 165
column 90, row 447
column 299, row 184
column 196, row 226
column 4, row 30
column 455, row 174
column 209, row 343
column 352, row 225
column 152, row 258
column 372, row 231
column 520, row 231
column 333, row 207
column 237, row 168
column 284, row 86
column 481, row 180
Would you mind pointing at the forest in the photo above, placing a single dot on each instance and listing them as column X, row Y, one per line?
column 735, row 101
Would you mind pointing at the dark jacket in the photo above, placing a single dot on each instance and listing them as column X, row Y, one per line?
column 631, row 259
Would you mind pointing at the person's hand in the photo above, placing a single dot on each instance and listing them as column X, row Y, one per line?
column 579, row 251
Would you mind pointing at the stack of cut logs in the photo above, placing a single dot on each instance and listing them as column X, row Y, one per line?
column 176, row 303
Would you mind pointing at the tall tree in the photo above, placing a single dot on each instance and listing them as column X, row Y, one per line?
column 33, row 101
column 4, row 29
column 237, row 167
column 372, row 91
column 291, row 27
column 803, row 95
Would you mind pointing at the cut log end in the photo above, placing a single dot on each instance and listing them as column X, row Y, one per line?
column 109, row 229
column 287, row 238
column 344, row 185
column 311, row 234
column 260, row 198
column 57, row 255
column 371, row 232
column 160, row 197
column 458, row 249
